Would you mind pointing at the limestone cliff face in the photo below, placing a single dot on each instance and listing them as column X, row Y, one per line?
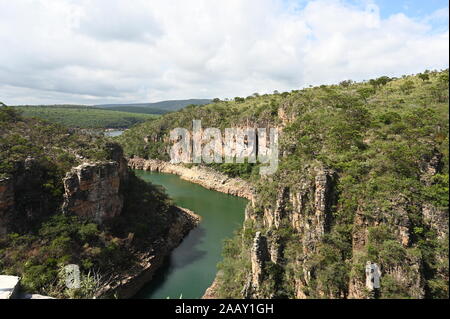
column 206, row 177
column 308, row 207
column 266, row 249
column 93, row 191
column 259, row 256
column 410, row 272
column 436, row 219
column 310, row 215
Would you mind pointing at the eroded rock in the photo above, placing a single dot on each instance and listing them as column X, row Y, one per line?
column 92, row 191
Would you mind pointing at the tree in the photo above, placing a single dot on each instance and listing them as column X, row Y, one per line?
column 382, row 80
column 346, row 83
column 424, row 76
column 366, row 92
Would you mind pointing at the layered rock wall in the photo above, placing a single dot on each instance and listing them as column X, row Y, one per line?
column 93, row 191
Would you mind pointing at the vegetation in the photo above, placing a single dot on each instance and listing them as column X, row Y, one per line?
column 43, row 240
column 84, row 116
column 154, row 108
column 103, row 252
column 136, row 109
column 47, row 143
column 379, row 136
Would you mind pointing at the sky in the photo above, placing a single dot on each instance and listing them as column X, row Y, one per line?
column 117, row 51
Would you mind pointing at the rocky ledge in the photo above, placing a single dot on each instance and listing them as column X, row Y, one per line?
column 210, row 292
column 201, row 175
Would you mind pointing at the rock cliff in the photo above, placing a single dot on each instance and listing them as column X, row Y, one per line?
column 93, row 191
column 308, row 207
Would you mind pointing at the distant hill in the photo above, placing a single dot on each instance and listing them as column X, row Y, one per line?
column 135, row 109
column 84, row 116
column 154, row 108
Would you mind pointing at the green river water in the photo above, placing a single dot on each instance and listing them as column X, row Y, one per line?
column 191, row 267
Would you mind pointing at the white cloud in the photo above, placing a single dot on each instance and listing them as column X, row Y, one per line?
column 55, row 51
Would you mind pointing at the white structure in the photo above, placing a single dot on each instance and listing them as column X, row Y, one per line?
column 373, row 275
column 9, row 286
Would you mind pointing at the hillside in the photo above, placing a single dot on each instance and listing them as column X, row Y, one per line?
column 69, row 198
column 363, row 177
column 83, row 116
column 136, row 109
column 156, row 107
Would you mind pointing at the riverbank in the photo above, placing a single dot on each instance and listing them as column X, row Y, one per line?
column 128, row 285
column 201, row 175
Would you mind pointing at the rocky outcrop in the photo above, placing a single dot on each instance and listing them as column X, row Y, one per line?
column 126, row 286
column 314, row 220
column 93, row 191
column 259, row 256
column 211, row 293
column 430, row 167
column 280, row 208
column 436, row 219
column 307, row 207
column 201, row 175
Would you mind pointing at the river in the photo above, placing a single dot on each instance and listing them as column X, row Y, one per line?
column 113, row 133
column 191, row 267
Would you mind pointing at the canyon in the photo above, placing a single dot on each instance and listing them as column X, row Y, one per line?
column 201, row 175
column 308, row 208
